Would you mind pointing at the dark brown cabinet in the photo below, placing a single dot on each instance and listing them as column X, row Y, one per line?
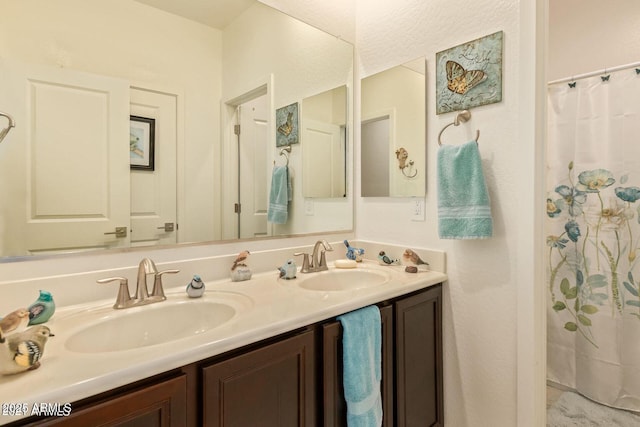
column 411, row 363
column 291, row 380
column 418, row 362
column 162, row 404
column 272, row 386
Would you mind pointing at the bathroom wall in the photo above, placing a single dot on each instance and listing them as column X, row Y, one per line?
column 481, row 299
column 587, row 35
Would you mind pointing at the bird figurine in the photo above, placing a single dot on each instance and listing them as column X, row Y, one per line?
column 385, row 260
column 412, row 261
column 239, row 270
column 22, row 351
column 288, row 270
column 240, row 259
column 196, row 287
column 353, row 253
column 16, row 321
column 42, row 309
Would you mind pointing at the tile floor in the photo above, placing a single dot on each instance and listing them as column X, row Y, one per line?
column 554, row 391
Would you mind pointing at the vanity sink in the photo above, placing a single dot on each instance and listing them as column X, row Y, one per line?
column 154, row 324
column 343, row 279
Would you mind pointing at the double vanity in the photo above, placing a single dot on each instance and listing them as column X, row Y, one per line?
column 265, row 351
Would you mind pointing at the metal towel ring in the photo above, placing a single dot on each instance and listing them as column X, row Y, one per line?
column 284, row 152
column 462, row 117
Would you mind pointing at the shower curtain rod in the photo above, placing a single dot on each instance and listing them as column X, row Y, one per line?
column 594, row 73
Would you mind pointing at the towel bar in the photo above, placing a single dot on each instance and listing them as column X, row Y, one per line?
column 461, row 117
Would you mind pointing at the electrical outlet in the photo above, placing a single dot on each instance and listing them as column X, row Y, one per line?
column 308, row 207
column 417, row 210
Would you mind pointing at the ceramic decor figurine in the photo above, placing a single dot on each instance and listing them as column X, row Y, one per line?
column 355, row 254
column 22, row 351
column 16, row 321
column 413, row 262
column 385, row 260
column 288, row 270
column 239, row 270
column 42, row 309
column 196, row 287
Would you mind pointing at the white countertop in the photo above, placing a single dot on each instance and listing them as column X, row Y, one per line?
column 268, row 307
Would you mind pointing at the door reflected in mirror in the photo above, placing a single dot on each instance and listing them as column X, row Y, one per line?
column 65, row 176
column 393, row 129
column 324, row 144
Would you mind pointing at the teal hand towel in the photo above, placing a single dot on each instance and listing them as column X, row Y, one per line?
column 362, row 366
column 279, row 196
column 464, row 211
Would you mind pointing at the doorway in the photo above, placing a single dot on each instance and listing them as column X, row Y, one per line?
column 252, row 167
column 245, row 165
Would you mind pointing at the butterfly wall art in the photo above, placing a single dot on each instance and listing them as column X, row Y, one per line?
column 287, row 125
column 470, row 74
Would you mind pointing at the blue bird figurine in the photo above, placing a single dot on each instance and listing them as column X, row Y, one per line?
column 385, row 260
column 196, row 287
column 42, row 309
column 288, row 270
column 353, row 253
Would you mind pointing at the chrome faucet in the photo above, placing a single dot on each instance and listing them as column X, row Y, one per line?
column 142, row 297
column 317, row 261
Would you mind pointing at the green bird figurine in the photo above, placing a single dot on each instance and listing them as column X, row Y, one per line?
column 42, row 309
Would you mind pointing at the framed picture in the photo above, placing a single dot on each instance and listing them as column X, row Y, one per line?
column 142, row 132
column 470, row 74
column 287, row 125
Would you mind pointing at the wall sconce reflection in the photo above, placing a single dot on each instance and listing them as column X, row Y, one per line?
column 405, row 165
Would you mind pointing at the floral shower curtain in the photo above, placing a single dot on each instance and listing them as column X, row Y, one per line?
column 593, row 237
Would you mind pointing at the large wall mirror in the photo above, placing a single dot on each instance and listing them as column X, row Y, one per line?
column 196, row 99
column 393, row 150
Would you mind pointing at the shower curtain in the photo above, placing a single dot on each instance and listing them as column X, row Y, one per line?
column 593, row 237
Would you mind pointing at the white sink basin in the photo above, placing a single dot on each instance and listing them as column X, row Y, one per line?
column 153, row 324
column 342, row 279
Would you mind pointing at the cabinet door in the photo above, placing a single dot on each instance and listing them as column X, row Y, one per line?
column 272, row 386
column 162, row 404
column 334, row 405
column 419, row 359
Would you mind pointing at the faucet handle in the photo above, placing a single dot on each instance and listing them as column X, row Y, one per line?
column 305, row 261
column 158, row 291
column 123, row 299
column 322, row 265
